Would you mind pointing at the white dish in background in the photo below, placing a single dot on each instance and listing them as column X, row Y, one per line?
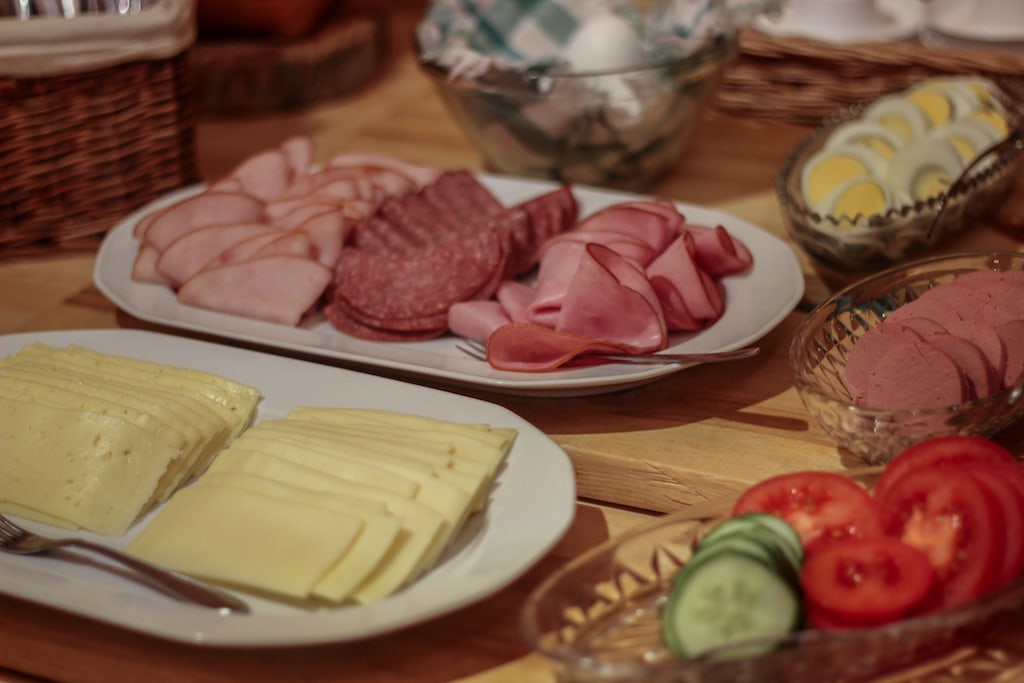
column 532, row 504
column 756, row 301
column 845, row 21
column 992, row 22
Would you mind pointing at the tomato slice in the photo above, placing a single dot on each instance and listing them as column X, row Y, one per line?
column 865, row 581
column 956, row 521
column 943, row 450
column 821, row 506
column 1006, row 484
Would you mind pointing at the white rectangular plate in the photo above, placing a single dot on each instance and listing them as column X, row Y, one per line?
column 532, row 504
column 756, row 301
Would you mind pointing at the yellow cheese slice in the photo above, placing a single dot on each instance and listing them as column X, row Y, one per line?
column 95, row 471
column 364, row 556
column 451, row 502
column 417, row 546
column 239, row 537
column 358, row 473
column 62, row 393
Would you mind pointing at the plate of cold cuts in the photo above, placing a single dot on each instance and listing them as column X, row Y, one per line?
column 376, row 263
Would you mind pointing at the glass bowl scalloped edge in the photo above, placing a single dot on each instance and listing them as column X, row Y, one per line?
column 597, row 619
column 825, row 337
column 866, row 243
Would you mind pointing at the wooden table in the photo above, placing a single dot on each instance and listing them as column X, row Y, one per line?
column 697, row 435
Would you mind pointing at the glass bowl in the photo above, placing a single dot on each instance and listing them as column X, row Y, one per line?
column 620, row 129
column 862, row 243
column 821, row 344
column 597, row 620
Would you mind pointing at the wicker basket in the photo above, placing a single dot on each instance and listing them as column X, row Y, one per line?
column 801, row 81
column 108, row 131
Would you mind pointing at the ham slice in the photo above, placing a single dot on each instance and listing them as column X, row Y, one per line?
column 144, row 268
column 200, row 211
column 612, row 301
column 277, row 289
column 476, row 319
column 656, row 223
column 299, row 150
column 678, row 267
column 526, row 347
column 264, row 175
column 716, row 252
column 187, row 255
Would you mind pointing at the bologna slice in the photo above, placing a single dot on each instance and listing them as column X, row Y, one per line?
column 914, row 376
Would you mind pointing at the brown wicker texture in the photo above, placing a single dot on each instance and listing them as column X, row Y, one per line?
column 80, row 151
column 802, row 81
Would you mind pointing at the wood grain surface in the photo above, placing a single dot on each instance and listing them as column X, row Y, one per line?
column 694, row 436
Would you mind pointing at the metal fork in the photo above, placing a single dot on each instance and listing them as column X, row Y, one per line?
column 477, row 349
column 14, row 539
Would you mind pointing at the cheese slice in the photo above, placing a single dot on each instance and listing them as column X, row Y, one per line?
column 240, row 537
column 418, row 545
column 49, row 390
column 95, row 471
column 363, row 557
column 451, row 502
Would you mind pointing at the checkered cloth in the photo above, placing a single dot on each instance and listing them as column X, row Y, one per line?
column 470, row 37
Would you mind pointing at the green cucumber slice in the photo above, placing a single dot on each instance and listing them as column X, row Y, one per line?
column 766, row 526
column 726, row 598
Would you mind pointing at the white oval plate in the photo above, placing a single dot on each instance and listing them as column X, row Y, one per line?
column 756, row 301
column 531, row 506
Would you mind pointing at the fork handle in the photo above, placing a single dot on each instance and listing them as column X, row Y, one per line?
column 179, row 585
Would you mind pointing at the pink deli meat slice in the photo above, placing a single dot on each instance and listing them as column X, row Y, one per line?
column 277, row 289
column 244, row 250
column 913, row 376
column 981, row 377
column 264, row 175
column 716, row 252
column 188, row 254
column 476, row 319
column 656, row 223
column 200, row 211
column 611, row 300
column 515, row 297
column 421, row 331
column 1012, row 335
column 985, row 338
column 300, row 151
column 869, row 350
column 526, row 347
column 699, row 290
column 144, row 266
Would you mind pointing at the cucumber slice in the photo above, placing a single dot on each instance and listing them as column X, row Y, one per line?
column 728, row 597
column 763, row 546
column 762, row 525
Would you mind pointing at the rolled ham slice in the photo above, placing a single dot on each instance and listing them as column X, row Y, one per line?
column 716, row 252
column 476, row 319
column 277, row 289
column 678, row 266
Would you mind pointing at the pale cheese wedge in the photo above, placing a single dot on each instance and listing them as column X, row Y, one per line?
column 240, row 537
column 95, row 471
column 380, row 530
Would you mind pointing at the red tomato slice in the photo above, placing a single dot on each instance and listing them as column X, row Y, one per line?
column 865, row 581
column 1006, row 484
column 944, row 450
column 956, row 521
column 819, row 505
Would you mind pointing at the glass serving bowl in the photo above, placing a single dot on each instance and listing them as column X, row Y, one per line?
column 597, row 620
column 620, row 129
column 863, row 244
column 822, row 343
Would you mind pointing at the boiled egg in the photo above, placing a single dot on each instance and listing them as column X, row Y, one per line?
column 867, row 133
column 900, row 115
column 923, row 168
column 969, row 136
column 604, row 42
column 858, row 197
column 832, row 167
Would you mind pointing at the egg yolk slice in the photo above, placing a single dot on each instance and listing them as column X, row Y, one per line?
column 866, row 197
column 831, row 172
column 935, row 105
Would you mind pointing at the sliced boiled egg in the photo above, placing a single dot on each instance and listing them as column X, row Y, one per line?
column 994, row 118
column 870, row 134
column 858, row 197
column 899, row 115
column 935, row 103
column 969, row 136
column 923, row 168
column 832, row 167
